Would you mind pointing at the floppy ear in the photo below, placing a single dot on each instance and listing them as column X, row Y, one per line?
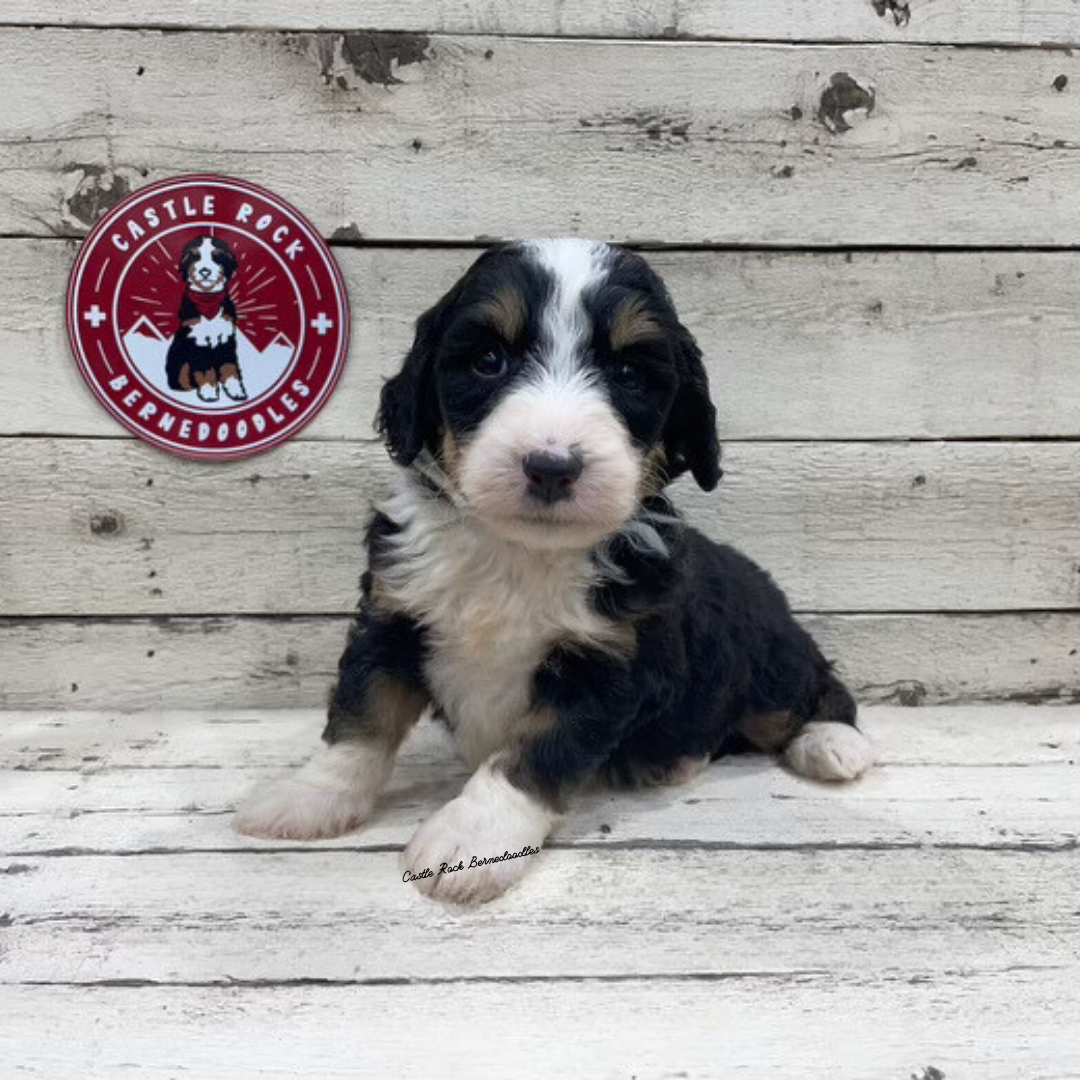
column 408, row 416
column 690, row 440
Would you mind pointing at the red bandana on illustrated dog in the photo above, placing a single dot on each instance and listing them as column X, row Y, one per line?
column 208, row 316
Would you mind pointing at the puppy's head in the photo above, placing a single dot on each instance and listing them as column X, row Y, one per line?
column 556, row 386
column 207, row 264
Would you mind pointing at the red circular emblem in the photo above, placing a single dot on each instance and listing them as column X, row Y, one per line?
column 208, row 317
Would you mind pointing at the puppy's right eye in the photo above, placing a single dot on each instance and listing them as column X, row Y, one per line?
column 489, row 366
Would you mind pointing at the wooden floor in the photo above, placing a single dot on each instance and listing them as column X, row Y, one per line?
column 924, row 923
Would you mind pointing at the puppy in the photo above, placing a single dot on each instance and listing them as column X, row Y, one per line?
column 203, row 355
column 530, row 582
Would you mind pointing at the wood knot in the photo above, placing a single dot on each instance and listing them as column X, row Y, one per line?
column 844, row 102
column 106, row 524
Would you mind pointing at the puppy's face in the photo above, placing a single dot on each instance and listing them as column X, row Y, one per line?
column 207, row 264
column 556, row 386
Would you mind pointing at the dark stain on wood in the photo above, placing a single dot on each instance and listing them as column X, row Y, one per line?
column 350, row 232
column 97, row 190
column 18, row 868
column 1061, row 82
column 898, row 9
column 654, row 126
column 106, row 524
column 840, row 98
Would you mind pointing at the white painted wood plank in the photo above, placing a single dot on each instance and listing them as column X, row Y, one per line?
column 674, row 142
column 220, row 662
column 95, row 741
column 1013, row 22
column 812, row 345
column 989, row 776
column 326, row 915
column 789, row 1027
column 750, row 803
column 114, row 527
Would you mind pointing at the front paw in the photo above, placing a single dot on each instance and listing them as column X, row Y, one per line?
column 479, row 844
column 332, row 794
column 209, row 392
column 293, row 809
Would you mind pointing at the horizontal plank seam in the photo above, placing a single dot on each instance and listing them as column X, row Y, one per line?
column 678, row 38
column 753, row 440
column 1066, row 845
column 796, row 974
column 442, row 243
column 243, row 769
column 15, row 619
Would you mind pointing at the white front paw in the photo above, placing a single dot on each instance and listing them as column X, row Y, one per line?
column 479, row 844
column 235, row 389
column 293, row 809
column 332, row 794
column 208, row 391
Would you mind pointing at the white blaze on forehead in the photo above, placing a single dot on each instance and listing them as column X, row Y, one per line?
column 206, row 253
column 575, row 266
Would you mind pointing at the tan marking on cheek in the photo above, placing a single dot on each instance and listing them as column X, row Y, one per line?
column 769, row 731
column 230, row 371
column 505, row 313
column 633, row 322
column 185, row 376
column 206, row 378
column 450, row 456
column 653, row 475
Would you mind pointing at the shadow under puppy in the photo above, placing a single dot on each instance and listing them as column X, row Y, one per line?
column 529, row 580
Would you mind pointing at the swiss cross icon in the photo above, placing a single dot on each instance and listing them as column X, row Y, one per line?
column 208, row 316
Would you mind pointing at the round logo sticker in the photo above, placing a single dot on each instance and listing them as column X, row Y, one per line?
column 208, row 316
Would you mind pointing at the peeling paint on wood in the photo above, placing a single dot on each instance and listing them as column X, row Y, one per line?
column 92, row 190
column 372, row 57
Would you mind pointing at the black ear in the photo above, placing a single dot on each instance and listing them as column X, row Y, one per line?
column 408, row 416
column 690, row 440
column 228, row 259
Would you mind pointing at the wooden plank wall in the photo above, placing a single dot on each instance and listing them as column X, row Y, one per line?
column 864, row 209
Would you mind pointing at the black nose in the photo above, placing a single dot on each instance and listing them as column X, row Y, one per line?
column 551, row 476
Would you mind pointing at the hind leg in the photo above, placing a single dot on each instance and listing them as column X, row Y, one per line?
column 824, row 746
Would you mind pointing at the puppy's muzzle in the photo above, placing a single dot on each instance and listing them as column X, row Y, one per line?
column 551, row 476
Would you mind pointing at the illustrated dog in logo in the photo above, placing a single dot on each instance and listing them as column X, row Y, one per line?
column 203, row 355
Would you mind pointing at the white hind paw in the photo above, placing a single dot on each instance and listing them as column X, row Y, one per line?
column 827, row 750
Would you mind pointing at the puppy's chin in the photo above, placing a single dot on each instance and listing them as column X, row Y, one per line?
column 548, row 534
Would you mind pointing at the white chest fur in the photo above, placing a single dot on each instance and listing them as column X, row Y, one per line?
column 493, row 610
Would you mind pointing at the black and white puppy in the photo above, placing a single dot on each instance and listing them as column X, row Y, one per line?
column 203, row 354
column 531, row 583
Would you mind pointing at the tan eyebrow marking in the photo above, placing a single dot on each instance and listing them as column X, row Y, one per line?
column 632, row 322
column 505, row 312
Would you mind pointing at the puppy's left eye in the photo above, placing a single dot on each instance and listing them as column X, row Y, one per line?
column 489, row 366
column 627, row 376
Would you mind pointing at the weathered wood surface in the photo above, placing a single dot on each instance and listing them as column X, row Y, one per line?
column 994, row 777
column 794, row 1025
column 113, row 527
column 461, row 138
column 1010, row 22
column 863, row 345
column 917, row 938
column 228, row 661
